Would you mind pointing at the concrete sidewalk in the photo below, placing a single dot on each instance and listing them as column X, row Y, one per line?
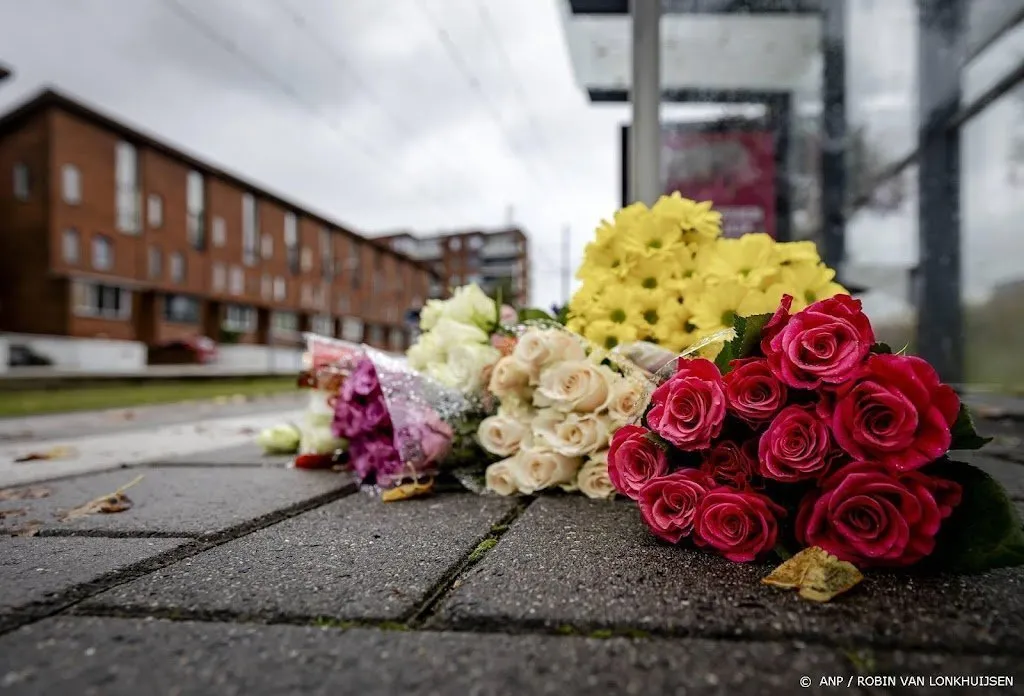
column 234, row 575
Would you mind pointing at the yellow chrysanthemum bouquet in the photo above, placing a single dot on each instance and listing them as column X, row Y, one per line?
column 665, row 275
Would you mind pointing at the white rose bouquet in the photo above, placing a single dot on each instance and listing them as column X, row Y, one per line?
column 561, row 400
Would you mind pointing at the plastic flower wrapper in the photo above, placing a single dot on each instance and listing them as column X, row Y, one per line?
column 561, row 397
column 283, row 438
column 401, row 426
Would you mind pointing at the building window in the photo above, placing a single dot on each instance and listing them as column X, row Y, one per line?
column 326, row 254
column 376, row 335
column 267, row 246
column 177, row 267
column 250, row 229
column 307, row 259
column 155, row 210
column 181, row 309
column 218, row 233
column 102, row 301
column 22, row 183
column 71, row 184
column 291, row 241
column 284, row 323
column 155, row 262
column 323, row 325
column 70, row 243
column 344, row 304
column 280, row 289
column 102, row 253
column 455, row 244
column 127, row 196
column 305, row 295
column 237, row 280
column 239, row 319
column 219, row 277
column 476, row 243
column 195, row 205
column 352, row 329
column 352, row 263
column 397, row 340
column 266, row 286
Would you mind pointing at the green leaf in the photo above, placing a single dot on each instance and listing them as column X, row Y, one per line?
column 984, row 531
column 534, row 314
column 563, row 315
column 748, row 338
column 965, row 435
column 881, row 348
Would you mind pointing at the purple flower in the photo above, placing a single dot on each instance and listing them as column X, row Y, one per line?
column 362, row 382
column 375, row 414
column 374, row 458
column 349, row 419
column 433, row 441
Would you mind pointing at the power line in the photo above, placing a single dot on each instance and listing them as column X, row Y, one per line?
column 202, row 27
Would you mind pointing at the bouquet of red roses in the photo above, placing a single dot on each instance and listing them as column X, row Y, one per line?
column 805, row 432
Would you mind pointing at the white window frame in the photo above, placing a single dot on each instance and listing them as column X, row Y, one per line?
column 192, row 302
column 250, row 229
column 218, row 276
column 236, row 280
column 155, row 210
column 92, row 300
column 218, row 232
column 322, row 324
column 195, row 209
column 352, row 329
column 71, row 184
column 102, row 253
column 22, row 181
column 71, row 245
column 284, row 323
column 280, row 289
column 126, row 179
column 306, row 259
column 267, row 246
column 266, row 286
column 239, row 318
column 177, row 268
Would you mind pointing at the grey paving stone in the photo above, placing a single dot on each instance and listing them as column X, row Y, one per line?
column 243, row 455
column 118, row 656
column 175, row 500
column 583, row 563
column 357, row 558
column 37, row 569
column 1007, row 472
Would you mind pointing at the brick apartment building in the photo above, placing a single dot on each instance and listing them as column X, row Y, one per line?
column 106, row 232
column 496, row 259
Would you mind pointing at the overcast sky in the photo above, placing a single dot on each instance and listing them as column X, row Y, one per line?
column 426, row 115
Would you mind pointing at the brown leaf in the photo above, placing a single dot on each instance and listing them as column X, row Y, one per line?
column 30, row 493
column 818, row 575
column 54, row 453
column 407, row 491
column 29, row 529
column 105, row 504
column 13, row 512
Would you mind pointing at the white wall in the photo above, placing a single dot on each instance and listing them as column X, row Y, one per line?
column 254, row 359
column 83, row 354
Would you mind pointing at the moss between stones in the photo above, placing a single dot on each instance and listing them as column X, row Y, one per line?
column 482, row 548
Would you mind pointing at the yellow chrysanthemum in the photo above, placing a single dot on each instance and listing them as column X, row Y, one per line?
column 807, row 283
column 654, row 235
column 608, row 334
column 750, row 259
column 796, row 252
column 718, row 307
column 699, row 223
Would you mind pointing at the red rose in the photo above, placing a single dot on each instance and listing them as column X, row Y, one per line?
column 871, row 516
column 795, row 447
column 688, row 410
column 633, row 460
column 731, row 464
column 669, row 504
column 741, row 525
column 895, row 411
column 752, row 390
column 822, row 344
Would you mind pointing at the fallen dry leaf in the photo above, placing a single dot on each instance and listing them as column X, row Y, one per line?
column 54, row 453
column 105, row 504
column 30, row 493
column 818, row 575
column 29, row 529
column 13, row 512
column 407, row 490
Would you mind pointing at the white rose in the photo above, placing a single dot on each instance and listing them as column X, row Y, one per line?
column 539, row 468
column 571, row 434
column 500, row 435
column 500, row 477
column 440, row 372
column 593, row 480
column 448, row 332
column 514, row 406
column 577, row 385
column 425, row 352
column 430, row 313
column 509, row 377
column 538, row 348
column 470, row 305
column 625, row 399
column 467, row 363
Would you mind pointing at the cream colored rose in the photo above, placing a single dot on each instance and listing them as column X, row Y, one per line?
column 571, row 434
column 467, row 363
column 425, row 352
column 538, row 348
column 514, row 406
column 430, row 313
column 500, row 435
column 592, row 480
column 508, row 377
column 574, row 385
column 500, row 477
column 537, row 468
column 471, row 305
column 625, row 400
column 448, row 332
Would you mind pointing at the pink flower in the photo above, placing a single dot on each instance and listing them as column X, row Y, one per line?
column 872, row 516
column 731, row 464
column 432, row 436
column 361, row 382
column 688, row 410
column 895, row 411
column 740, row 525
column 669, row 503
column 509, row 315
column 374, row 458
column 795, row 447
column 822, row 344
column 753, row 392
column 348, row 419
column 633, row 460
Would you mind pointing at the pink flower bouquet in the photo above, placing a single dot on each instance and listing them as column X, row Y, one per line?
column 805, row 432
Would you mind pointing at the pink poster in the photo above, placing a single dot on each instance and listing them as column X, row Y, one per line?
column 734, row 169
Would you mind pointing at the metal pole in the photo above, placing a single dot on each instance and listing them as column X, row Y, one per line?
column 941, row 55
column 645, row 150
column 566, row 264
column 834, row 135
